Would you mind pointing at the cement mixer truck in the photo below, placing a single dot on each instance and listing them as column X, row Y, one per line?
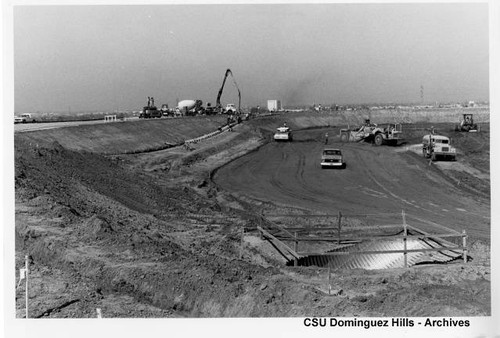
column 190, row 107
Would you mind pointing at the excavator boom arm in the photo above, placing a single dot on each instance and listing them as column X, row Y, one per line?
column 217, row 103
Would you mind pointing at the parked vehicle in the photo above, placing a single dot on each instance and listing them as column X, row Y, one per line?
column 438, row 147
column 24, row 118
column 190, row 107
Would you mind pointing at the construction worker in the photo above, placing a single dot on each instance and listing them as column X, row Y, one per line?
column 326, row 138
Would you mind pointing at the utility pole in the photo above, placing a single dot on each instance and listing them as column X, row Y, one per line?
column 422, row 94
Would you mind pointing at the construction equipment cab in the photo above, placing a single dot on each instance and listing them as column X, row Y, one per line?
column 230, row 109
column 150, row 111
column 390, row 134
column 467, row 124
column 165, row 111
column 438, row 147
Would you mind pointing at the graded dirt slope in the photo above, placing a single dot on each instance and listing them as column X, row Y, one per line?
column 150, row 235
column 135, row 136
column 126, row 136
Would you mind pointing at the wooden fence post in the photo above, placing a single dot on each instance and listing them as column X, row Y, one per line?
column 329, row 281
column 340, row 224
column 295, row 246
column 260, row 224
column 27, row 274
column 405, row 233
column 241, row 241
column 464, row 246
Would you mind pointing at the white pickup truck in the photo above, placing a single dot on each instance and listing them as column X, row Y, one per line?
column 24, row 118
column 283, row 134
column 332, row 158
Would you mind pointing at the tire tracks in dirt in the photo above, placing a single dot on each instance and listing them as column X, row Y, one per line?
column 377, row 179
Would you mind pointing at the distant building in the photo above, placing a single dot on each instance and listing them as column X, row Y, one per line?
column 274, row 105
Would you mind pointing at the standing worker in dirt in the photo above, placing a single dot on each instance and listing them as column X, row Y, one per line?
column 326, row 138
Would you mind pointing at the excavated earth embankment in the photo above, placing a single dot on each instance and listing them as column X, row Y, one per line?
column 150, row 235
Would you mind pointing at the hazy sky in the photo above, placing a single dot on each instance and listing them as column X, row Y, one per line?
column 113, row 57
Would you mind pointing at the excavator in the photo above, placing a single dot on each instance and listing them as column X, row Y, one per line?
column 218, row 105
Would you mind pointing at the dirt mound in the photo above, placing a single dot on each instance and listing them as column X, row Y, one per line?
column 113, row 243
column 98, row 226
column 46, row 170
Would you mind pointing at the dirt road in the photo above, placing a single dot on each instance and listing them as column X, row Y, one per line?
column 377, row 180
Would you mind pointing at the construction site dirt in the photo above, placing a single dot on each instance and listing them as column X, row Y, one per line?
column 173, row 232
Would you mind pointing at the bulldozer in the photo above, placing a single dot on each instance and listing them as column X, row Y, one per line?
column 467, row 124
column 390, row 134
